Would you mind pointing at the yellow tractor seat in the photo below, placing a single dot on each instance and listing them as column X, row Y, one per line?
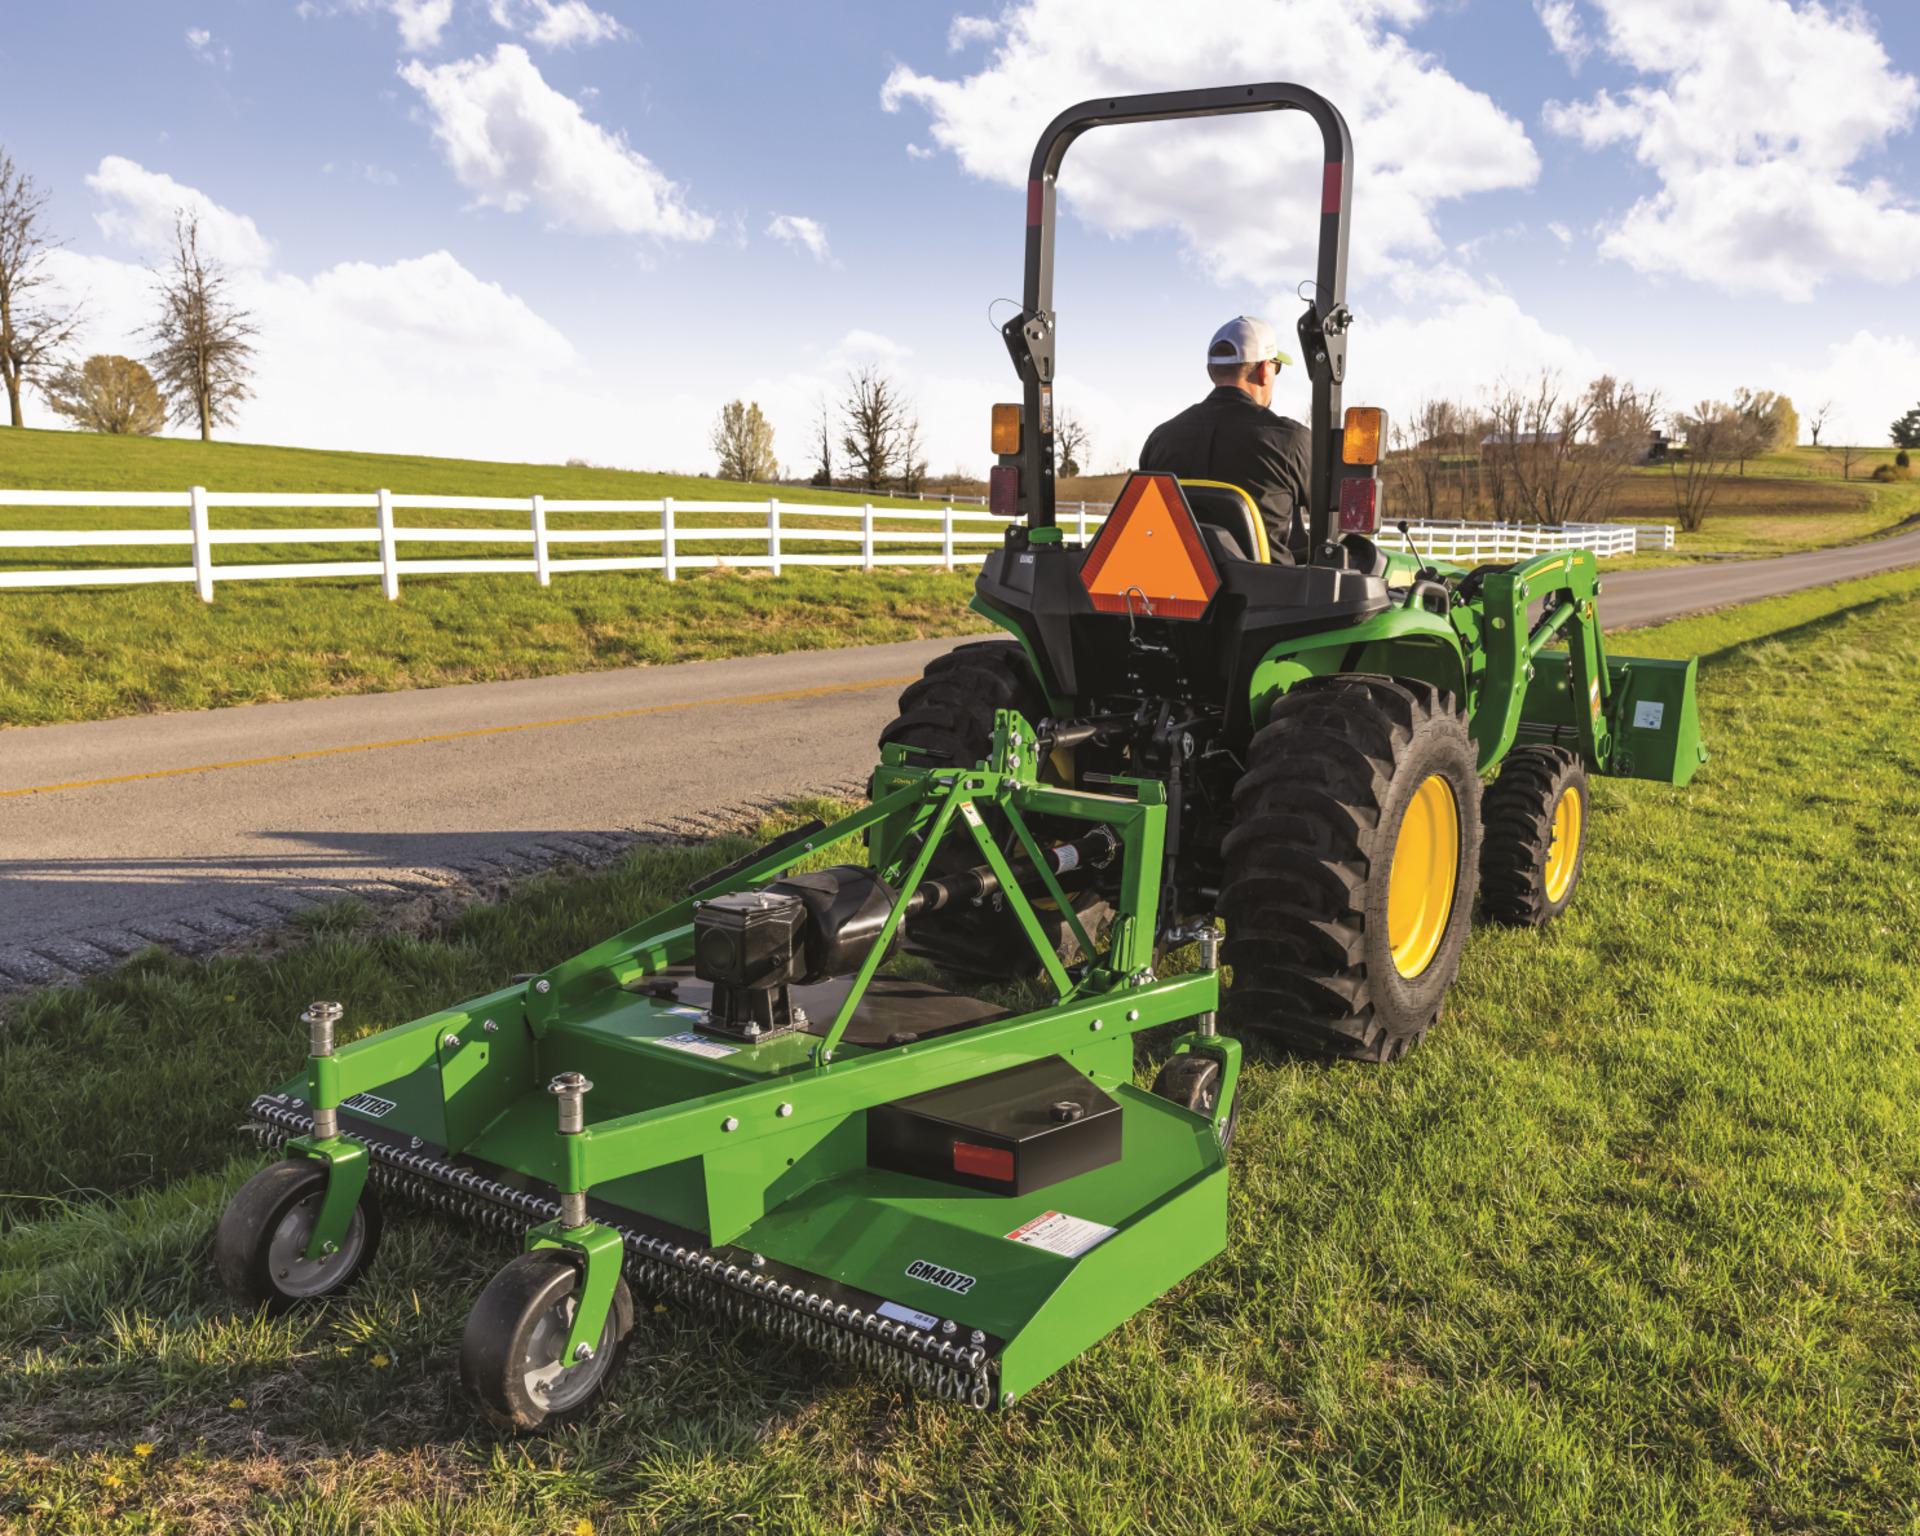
column 1230, row 509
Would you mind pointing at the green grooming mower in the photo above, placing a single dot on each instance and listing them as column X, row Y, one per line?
column 758, row 1101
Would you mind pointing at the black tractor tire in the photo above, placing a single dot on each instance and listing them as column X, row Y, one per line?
column 1343, row 768
column 510, row 1351
column 948, row 714
column 1536, row 836
column 259, row 1247
column 1192, row 1080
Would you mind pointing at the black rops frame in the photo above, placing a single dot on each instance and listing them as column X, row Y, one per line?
column 1322, row 328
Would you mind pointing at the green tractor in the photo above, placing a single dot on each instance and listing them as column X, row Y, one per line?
column 1321, row 725
column 766, row 1101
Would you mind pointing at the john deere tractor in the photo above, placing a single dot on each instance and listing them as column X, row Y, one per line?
column 754, row 1101
column 1322, row 720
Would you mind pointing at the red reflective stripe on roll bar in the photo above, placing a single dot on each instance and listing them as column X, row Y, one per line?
column 1330, row 188
column 1033, row 203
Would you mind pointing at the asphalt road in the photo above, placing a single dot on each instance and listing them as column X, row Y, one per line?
column 194, row 830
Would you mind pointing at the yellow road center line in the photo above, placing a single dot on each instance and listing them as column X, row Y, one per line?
column 781, row 697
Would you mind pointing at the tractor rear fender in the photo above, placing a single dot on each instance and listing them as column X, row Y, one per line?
column 1058, row 705
column 1404, row 641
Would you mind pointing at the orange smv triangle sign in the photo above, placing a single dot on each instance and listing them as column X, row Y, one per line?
column 1148, row 559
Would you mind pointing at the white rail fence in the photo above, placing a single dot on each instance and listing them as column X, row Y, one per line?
column 873, row 537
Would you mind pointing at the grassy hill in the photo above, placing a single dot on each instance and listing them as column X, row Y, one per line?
column 1628, row 1246
column 93, row 653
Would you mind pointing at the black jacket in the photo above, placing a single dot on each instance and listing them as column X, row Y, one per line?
column 1228, row 437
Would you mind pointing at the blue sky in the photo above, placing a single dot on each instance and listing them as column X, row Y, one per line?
column 551, row 228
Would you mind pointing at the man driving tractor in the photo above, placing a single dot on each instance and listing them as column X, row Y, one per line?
column 1233, row 436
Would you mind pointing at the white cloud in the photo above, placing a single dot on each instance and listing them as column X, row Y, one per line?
column 1241, row 191
column 140, row 210
column 419, row 355
column 556, row 23
column 1560, row 232
column 1564, row 30
column 420, row 22
column 201, row 45
column 1868, row 378
column 1459, row 344
column 918, row 152
column 1761, row 110
column 806, row 234
column 513, row 140
column 971, row 29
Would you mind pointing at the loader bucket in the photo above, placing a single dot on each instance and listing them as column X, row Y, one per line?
column 1653, row 726
column 1654, row 721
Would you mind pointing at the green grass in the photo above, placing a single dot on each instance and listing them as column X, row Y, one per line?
column 1630, row 1245
column 95, row 653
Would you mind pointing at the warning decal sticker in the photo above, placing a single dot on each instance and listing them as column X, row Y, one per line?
column 697, row 1045
column 1647, row 715
column 1068, row 1236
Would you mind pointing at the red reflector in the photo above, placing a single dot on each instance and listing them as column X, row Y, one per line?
column 1003, row 490
column 983, row 1162
column 1359, row 505
column 1331, row 186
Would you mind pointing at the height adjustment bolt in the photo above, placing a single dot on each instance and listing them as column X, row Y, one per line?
column 450, row 1041
column 320, row 1019
column 571, row 1089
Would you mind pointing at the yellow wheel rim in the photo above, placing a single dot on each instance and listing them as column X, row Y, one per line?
column 1564, row 851
column 1426, row 867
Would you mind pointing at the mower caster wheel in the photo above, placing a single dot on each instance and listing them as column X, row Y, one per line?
column 510, row 1354
column 260, row 1246
column 1193, row 1082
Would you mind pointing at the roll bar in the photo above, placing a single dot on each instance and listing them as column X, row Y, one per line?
column 1030, row 335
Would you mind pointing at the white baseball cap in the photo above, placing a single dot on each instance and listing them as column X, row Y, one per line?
column 1244, row 339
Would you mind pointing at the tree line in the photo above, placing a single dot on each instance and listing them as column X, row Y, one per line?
column 1548, row 453
column 199, row 352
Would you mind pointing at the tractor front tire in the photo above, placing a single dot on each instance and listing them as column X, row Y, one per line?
column 1536, row 842
column 1351, row 867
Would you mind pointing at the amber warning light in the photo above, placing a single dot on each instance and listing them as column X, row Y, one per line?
column 1366, row 430
column 1148, row 559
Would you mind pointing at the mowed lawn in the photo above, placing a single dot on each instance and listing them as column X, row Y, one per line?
column 1629, row 1246
column 93, row 653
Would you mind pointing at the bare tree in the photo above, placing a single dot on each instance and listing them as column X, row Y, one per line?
column 33, row 330
column 1559, row 458
column 1071, row 442
column 1817, row 420
column 108, row 394
column 743, row 440
column 911, row 454
column 202, row 340
column 1715, row 434
column 873, row 413
column 823, row 429
column 1848, row 453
